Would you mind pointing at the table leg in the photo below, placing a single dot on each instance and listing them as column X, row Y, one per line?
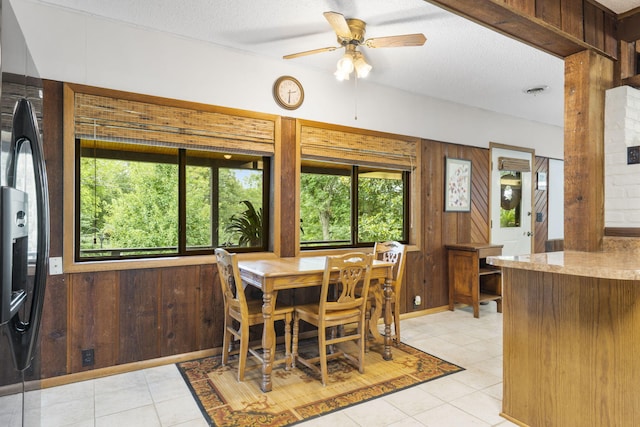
column 378, row 292
column 388, row 292
column 268, row 339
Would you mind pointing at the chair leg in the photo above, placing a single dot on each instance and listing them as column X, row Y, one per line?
column 367, row 321
column 363, row 329
column 244, row 349
column 294, row 344
column 287, row 342
column 226, row 343
column 322, row 347
column 396, row 324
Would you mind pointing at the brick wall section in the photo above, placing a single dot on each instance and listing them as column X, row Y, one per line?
column 622, row 181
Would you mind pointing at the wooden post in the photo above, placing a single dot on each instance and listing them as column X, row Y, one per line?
column 284, row 178
column 587, row 76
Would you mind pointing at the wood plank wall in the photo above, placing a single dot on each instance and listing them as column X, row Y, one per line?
column 54, row 331
column 426, row 273
column 134, row 315
column 541, row 206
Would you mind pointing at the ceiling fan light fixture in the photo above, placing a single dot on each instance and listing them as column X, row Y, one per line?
column 345, row 64
column 361, row 65
column 341, row 75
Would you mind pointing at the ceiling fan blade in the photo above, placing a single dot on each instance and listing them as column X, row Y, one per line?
column 310, row 52
column 339, row 24
column 397, row 41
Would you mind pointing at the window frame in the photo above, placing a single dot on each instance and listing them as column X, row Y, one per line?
column 183, row 154
column 354, row 214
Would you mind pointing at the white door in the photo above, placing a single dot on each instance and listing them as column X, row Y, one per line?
column 511, row 198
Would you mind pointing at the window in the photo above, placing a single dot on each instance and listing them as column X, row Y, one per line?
column 342, row 205
column 140, row 200
column 510, row 198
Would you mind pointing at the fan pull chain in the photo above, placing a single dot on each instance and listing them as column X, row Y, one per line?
column 355, row 97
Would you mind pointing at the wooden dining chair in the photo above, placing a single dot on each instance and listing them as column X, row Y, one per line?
column 240, row 314
column 394, row 252
column 343, row 301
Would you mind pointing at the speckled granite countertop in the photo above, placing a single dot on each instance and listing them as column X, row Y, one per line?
column 622, row 265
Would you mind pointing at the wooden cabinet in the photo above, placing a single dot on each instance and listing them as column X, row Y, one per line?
column 471, row 279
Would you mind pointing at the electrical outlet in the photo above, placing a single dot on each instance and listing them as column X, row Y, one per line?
column 417, row 300
column 88, row 357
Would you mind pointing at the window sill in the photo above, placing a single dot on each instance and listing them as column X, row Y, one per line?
column 181, row 261
column 144, row 263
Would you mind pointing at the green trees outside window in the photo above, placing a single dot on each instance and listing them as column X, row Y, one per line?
column 351, row 205
column 135, row 199
column 381, row 206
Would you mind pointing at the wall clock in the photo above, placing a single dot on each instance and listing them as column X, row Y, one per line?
column 288, row 92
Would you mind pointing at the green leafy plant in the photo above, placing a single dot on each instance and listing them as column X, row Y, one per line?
column 247, row 225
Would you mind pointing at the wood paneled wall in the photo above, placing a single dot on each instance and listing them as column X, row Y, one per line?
column 541, row 206
column 146, row 313
column 133, row 315
column 55, row 329
column 426, row 273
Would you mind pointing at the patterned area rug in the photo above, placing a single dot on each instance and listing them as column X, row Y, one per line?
column 297, row 394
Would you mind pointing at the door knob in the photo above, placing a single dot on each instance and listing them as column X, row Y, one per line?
column 529, row 234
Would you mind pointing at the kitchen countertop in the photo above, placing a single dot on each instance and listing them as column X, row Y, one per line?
column 621, row 265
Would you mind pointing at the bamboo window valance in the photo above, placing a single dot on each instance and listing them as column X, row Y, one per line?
column 511, row 164
column 355, row 148
column 112, row 119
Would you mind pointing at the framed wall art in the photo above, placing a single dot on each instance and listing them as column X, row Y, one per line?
column 457, row 180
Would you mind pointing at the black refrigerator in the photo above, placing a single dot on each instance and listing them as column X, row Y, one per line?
column 24, row 225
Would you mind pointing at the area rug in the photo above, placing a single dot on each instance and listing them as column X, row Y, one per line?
column 298, row 395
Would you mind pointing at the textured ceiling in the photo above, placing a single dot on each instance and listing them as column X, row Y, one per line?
column 461, row 61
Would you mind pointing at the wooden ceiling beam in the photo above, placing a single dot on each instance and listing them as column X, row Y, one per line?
column 574, row 25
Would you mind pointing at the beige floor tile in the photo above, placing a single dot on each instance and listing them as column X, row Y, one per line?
column 375, row 413
column 176, row 411
column 449, row 416
column 481, row 406
column 334, row 419
column 413, row 401
column 140, row 417
column 122, row 400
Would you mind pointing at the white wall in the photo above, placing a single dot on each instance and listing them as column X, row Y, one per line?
column 79, row 48
column 621, row 181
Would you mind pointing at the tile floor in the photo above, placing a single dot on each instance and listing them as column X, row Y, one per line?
column 159, row 397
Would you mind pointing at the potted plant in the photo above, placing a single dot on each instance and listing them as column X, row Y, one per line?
column 247, row 225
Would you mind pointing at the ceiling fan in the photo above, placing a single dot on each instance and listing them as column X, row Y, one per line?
column 350, row 34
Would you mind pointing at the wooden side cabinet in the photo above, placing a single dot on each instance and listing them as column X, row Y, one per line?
column 471, row 279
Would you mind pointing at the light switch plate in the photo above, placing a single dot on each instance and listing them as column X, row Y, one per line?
column 55, row 265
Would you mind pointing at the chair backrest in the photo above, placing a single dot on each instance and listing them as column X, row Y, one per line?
column 351, row 283
column 232, row 289
column 392, row 252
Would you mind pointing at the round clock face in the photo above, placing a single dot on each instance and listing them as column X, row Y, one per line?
column 288, row 92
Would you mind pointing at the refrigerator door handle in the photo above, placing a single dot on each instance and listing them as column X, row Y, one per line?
column 24, row 333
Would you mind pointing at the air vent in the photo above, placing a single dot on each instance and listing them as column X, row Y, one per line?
column 536, row 90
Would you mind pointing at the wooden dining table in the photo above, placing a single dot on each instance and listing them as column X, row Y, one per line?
column 274, row 274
